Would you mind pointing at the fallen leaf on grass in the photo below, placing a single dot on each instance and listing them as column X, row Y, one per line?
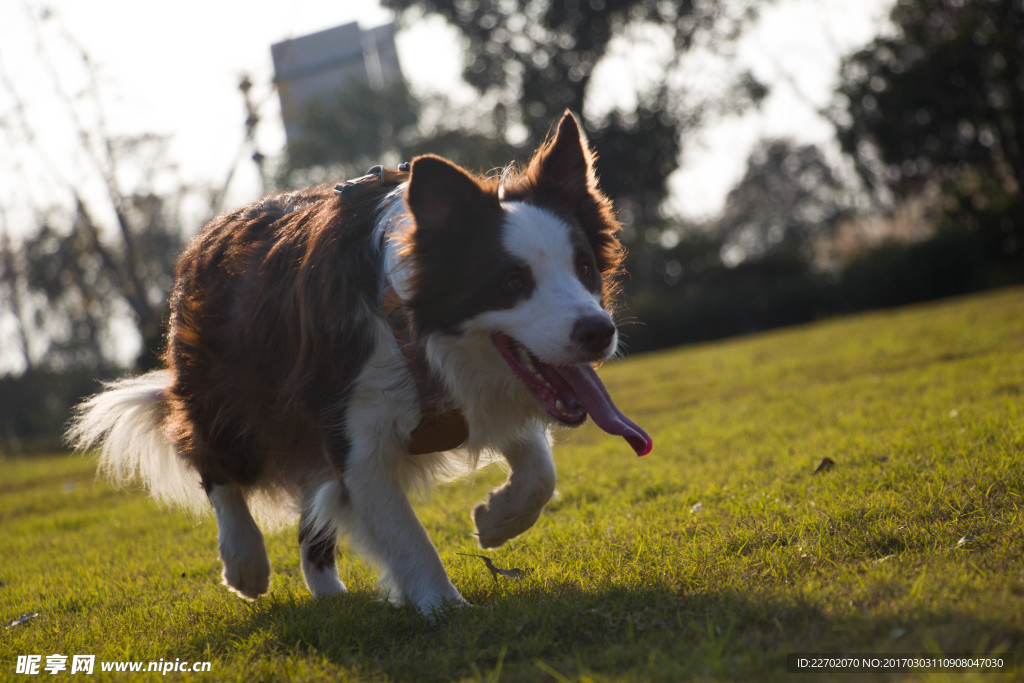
column 495, row 571
column 23, row 619
column 967, row 542
column 825, row 465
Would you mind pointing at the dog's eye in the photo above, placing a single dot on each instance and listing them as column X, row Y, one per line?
column 514, row 281
column 583, row 269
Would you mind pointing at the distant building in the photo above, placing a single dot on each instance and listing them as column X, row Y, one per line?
column 323, row 63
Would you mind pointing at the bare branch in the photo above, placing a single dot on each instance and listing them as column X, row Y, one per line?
column 10, row 280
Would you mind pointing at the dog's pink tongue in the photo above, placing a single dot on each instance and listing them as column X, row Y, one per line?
column 591, row 392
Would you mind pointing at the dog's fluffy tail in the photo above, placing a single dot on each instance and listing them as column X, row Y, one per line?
column 124, row 422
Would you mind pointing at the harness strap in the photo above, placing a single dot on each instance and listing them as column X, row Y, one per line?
column 441, row 428
column 378, row 176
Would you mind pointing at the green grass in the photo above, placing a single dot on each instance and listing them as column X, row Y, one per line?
column 713, row 557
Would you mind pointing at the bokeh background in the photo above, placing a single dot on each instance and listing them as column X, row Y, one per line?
column 773, row 162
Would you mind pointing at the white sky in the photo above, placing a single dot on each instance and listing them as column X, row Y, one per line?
column 174, row 68
column 795, row 48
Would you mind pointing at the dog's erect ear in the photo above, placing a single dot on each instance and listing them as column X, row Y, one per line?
column 561, row 175
column 565, row 162
column 440, row 192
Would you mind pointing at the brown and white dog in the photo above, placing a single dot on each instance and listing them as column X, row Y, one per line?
column 290, row 387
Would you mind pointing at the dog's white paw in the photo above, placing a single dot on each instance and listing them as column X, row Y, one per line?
column 429, row 599
column 435, row 605
column 322, row 583
column 515, row 506
column 495, row 525
column 246, row 567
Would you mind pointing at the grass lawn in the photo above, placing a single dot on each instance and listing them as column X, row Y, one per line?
column 714, row 557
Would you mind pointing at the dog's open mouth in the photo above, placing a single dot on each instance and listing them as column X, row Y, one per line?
column 570, row 392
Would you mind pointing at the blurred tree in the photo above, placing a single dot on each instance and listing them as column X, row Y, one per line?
column 73, row 283
column 102, row 249
column 12, row 285
column 345, row 132
column 532, row 59
column 942, row 99
column 788, row 195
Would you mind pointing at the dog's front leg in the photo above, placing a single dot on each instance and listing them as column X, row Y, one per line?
column 381, row 521
column 372, row 506
column 515, row 506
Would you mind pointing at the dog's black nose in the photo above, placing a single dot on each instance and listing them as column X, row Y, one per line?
column 593, row 333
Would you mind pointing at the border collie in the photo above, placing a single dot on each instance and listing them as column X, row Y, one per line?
column 328, row 351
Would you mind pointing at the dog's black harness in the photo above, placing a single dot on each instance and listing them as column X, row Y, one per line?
column 442, row 427
column 377, row 177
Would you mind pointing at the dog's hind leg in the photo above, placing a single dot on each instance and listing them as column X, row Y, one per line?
column 515, row 506
column 246, row 565
column 317, row 543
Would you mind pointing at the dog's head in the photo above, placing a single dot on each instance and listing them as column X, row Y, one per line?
column 534, row 255
column 529, row 262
